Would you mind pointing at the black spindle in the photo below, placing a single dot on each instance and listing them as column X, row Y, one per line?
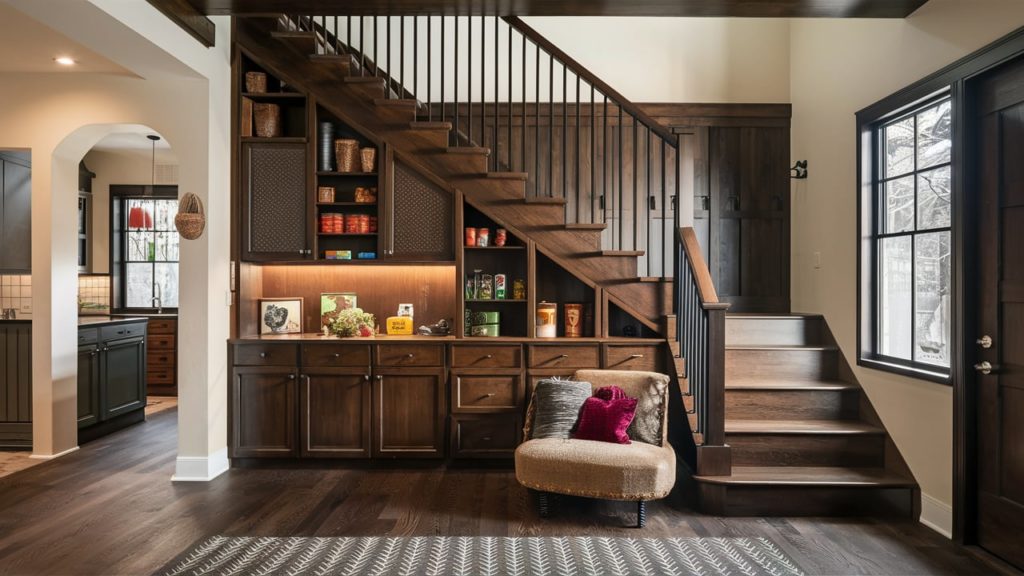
column 551, row 125
column 430, row 75
column 536, row 126
column 621, row 192
column 577, row 148
column 455, row 79
column 636, row 196
column 362, row 51
column 647, row 180
column 509, row 103
column 483, row 79
column 469, row 79
column 387, row 41
column 497, row 47
column 376, row 68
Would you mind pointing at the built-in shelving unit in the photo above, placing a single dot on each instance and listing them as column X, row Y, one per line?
column 556, row 285
column 510, row 260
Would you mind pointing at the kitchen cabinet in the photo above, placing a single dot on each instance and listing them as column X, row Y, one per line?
column 111, row 376
column 408, row 412
column 162, row 357
column 335, row 413
column 264, row 411
column 418, row 219
column 15, row 213
column 16, row 383
column 487, row 399
column 275, row 220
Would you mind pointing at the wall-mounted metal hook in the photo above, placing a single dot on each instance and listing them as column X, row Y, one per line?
column 799, row 170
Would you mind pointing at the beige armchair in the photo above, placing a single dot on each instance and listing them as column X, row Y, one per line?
column 637, row 472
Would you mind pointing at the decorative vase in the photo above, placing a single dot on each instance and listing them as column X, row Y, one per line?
column 268, row 120
column 347, row 154
column 368, row 159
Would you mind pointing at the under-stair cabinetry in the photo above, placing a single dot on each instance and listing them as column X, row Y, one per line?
column 487, row 399
column 275, row 223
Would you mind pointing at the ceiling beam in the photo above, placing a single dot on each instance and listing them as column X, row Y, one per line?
column 188, row 18
column 678, row 8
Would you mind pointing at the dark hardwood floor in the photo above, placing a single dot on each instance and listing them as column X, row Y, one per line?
column 110, row 508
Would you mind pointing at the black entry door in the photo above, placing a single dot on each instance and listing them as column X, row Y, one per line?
column 999, row 309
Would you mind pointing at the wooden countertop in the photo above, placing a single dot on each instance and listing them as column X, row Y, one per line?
column 313, row 337
column 91, row 321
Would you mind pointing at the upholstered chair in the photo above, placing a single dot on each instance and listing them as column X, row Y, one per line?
column 640, row 471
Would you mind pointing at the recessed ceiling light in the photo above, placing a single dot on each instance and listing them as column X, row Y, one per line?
column 65, row 60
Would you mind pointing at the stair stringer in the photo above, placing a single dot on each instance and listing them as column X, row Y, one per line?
column 390, row 122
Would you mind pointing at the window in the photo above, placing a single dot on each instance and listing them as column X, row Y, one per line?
column 149, row 243
column 909, row 241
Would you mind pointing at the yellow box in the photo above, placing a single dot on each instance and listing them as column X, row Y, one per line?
column 399, row 325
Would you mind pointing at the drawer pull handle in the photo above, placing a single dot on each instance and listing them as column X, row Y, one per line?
column 120, row 331
column 489, row 356
column 562, row 356
column 635, row 356
column 379, row 378
column 489, row 395
column 486, row 438
column 410, row 355
column 263, row 354
column 291, row 376
column 366, row 377
column 337, row 355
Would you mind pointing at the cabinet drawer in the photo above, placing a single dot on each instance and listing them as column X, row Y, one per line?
column 324, row 355
column 119, row 331
column 410, row 354
column 485, row 436
column 88, row 336
column 476, row 356
column 163, row 326
column 486, row 392
column 628, row 357
column 558, row 357
column 161, row 342
column 266, row 354
column 156, row 375
column 160, row 358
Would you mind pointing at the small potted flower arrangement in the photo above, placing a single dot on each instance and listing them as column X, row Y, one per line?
column 353, row 322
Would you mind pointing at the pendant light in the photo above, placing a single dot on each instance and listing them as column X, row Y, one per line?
column 138, row 217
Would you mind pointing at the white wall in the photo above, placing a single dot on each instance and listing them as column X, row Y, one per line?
column 115, row 167
column 838, row 67
column 183, row 93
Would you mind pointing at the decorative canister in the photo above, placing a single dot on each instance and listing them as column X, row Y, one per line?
column 519, row 289
column 485, row 289
column 346, row 152
column 368, row 159
column 483, row 237
column 325, row 152
column 470, row 236
column 547, row 320
column 268, row 120
column 500, row 286
column 373, row 224
column 477, row 280
column 325, row 194
column 352, row 224
column 467, row 322
column 500, row 237
column 255, row 82
column 366, row 195
column 573, row 320
column 489, row 317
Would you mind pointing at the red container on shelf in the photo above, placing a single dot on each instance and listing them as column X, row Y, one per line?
column 500, row 237
column 373, row 224
column 470, row 236
column 337, row 223
column 483, row 236
column 364, row 223
column 352, row 224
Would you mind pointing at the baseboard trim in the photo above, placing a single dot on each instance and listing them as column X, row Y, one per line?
column 937, row 515
column 52, row 456
column 201, row 468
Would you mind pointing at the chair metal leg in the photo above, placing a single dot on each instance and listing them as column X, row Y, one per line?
column 543, row 504
column 641, row 514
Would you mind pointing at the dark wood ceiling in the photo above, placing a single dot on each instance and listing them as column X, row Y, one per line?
column 739, row 8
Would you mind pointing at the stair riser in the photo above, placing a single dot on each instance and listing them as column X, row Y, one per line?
column 436, row 138
column 771, row 331
column 736, row 500
column 371, row 90
column 854, row 451
column 792, row 404
column 802, row 365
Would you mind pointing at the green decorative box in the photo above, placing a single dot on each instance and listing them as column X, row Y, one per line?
column 480, row 318
column 488, row 330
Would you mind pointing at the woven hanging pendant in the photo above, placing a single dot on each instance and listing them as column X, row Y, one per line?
column 191, row 218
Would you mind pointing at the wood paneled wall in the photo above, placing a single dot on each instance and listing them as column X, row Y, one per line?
column 379, row 288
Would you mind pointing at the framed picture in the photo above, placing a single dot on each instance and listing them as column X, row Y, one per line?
column 333, row 302
column 280, row 315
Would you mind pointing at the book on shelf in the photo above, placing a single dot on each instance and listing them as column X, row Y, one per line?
column 246, row 117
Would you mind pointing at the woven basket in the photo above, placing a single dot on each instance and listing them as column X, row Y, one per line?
column 346, row 153
column 268, row 120
column 255, row 82
column 368, row 159
column 191, row 218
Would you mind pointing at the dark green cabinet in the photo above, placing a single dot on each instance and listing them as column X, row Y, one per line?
column 88, row 385
column 123, row 365
column 16, row 383
column 15, row 213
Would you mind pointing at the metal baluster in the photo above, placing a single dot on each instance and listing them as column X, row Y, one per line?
column 483, row 79
column 577, row 104
column 416, row 57
column 511, row 164
column 565, row 137
column 551, row 126
column 536, row 126
column 621, row 192
column 430, row 75
column 455, row 78
column 317, row 37
column 497, row 50
column 348, row 35
column 604, row 166
column 667, row 236
column 362, row 51
column 647, row 179
column 444, row 102
column 593, row 157
column 469, row 80
column 376, row 68
column 387, row 40
column 522, row 139
column 636, row 197
column 401, row 56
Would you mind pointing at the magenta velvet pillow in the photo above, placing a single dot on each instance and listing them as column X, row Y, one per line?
column 606, row 416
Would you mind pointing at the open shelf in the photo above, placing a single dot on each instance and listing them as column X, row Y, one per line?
column 272, row 95
column 349, row 174
column 277, row 139
column 348, row 204
column 510, row 260
column 623, row 324
column 494, row 247
column 293, row 118
column 496, row 301
column 556, row 285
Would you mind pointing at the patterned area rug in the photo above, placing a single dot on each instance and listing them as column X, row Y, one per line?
column 482, row 556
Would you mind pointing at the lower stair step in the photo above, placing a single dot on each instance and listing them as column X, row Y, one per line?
column 752, row 403
column 808, row 491
column 733, row 426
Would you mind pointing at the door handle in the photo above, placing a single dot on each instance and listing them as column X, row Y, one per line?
column 985, row 341
column 984, row 367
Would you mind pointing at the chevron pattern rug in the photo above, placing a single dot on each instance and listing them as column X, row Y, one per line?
column 482, row 556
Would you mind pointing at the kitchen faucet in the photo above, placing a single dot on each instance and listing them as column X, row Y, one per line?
column 159, row 305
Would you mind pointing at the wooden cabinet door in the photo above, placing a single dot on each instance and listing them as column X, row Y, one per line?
column 408, row 413
column 88, row 385
column 263, row 406
column 16, row 227
column 749, row 213
column 334, row 419
column 275, row 218
column 419, row 218
column 123, row 377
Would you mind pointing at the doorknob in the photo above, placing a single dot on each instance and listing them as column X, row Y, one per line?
column 984, row 367
column 985, row 341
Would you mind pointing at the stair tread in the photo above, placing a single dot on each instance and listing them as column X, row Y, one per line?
column 586, row 226
column 781, row 347
column 543, row 200
column 773, row 315
column 811, row 475
column 430, row 125
column 769, row 384
column 363, row 80
column 468, row 150
column 506, row 175
column 619, row 253
column 651, row 279
column 735, row 426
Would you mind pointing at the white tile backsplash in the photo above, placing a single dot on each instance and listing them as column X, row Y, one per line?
column 16, row 292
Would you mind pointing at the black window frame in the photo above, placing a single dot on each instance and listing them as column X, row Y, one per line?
column 119, row 195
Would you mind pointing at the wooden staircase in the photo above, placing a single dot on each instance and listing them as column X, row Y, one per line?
column 426, row 146
column 804, row 438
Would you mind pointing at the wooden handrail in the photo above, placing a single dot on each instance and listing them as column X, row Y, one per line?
column 581, row 71
column 701, row 273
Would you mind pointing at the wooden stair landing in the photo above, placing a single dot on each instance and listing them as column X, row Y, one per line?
column 804, row 439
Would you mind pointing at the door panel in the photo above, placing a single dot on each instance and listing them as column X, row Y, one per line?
column 274, row 202
column 264, row 413
column 88, row 385
column 335, row 414
column 1000, row 315
column 124, row 377
column 408, row 406
column 17, row 222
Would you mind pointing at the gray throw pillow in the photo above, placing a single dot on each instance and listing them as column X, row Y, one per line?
column 557, row 405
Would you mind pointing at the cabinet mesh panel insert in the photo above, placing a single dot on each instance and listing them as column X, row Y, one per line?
column 423, row 217
column 278, row 209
